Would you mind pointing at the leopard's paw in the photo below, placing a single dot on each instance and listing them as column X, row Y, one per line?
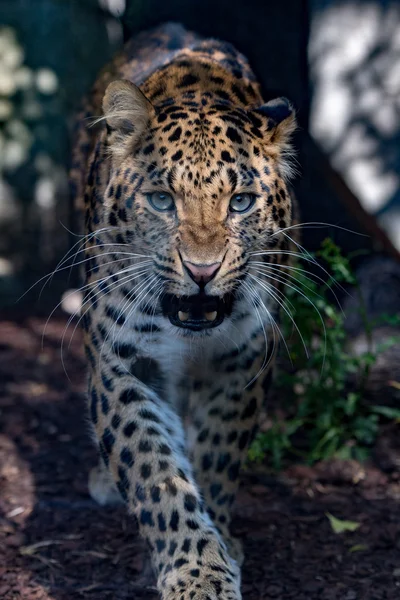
column 219, row 581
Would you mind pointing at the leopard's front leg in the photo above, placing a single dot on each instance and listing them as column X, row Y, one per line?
column 225, row 410
column 141, row 442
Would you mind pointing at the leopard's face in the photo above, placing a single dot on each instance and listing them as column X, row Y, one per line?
column 202, row 191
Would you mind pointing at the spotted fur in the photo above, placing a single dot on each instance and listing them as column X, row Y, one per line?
column 175, row 407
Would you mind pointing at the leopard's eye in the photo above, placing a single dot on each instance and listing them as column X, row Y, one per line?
column 161, row 201
column 241, row 203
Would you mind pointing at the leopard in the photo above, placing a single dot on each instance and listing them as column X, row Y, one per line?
column 181, row 174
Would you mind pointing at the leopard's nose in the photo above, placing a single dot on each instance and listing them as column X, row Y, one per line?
column 202, row 274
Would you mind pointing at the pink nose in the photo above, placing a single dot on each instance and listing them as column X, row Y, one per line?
column 202, row 274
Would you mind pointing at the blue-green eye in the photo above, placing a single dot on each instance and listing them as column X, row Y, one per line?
column 241, row 203
column 161, row 201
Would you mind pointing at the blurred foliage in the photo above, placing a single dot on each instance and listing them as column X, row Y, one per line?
column 323, row 396
column 49, row 55
column 28, row 97
column 33, row 173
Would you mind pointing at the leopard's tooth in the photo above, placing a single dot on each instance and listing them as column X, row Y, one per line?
column 183, row 316
column 211, row 316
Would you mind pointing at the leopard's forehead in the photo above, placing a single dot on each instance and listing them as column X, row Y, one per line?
column 203, row 145
column 205, row 121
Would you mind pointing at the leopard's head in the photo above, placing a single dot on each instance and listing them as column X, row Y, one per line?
column 200, row 183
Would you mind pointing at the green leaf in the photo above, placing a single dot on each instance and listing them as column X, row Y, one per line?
column 326, row 413
column 359, row 548
column 387, row 411
column 339, row 526
column 351, row 403
column 344, row 453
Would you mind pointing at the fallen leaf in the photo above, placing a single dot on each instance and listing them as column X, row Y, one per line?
column 29, row 550
column 339, row 526
column 359, row 548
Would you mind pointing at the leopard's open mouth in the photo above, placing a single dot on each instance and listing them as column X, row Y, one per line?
column 197, row 312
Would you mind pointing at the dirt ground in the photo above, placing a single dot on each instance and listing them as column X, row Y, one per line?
column 56, row 543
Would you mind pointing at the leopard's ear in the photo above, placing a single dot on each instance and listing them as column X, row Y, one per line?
column 280, row 122
column 127, row 113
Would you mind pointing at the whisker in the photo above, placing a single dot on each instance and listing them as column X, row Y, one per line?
column 101, row 265
column 265, row 360
column 123, row 281
column 128, row 302
column 145, row 290
column 62, row 262
column 279, row 292
column 302, row 257
column 307, row 255
column 144, row 287
column 88, row 237
column 282, row 277
column 282, row 305
column 85, row 287
column 155, row 301
column 100, row 292
column 316, row 225
column 302, row 271
column 275, row 328
column 275, row 325
column 97, row 294
column 297, row 290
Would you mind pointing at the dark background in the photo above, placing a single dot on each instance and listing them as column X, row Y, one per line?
column 52, row 50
